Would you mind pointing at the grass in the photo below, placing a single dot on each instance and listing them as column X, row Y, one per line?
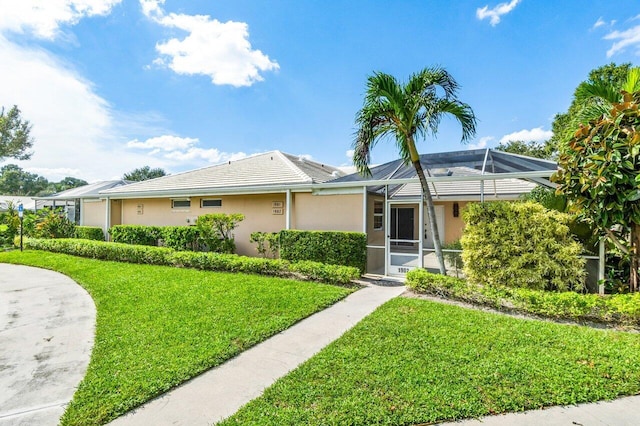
column 159, row 326
column 414, row 361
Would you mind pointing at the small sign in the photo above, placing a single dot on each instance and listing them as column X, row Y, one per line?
column 277, row 205
column 140, row 208
column 20, row 210
column 277, row 211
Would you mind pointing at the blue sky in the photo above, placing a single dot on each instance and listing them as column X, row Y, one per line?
column 111, row 85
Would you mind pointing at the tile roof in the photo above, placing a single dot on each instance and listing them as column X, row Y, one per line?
column 91, row 190
column 270, row 168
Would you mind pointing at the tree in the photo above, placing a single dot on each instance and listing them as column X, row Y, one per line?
column 544, row 150
column 406, row 113
column 144, row 173
column 600, row 174
column 69, row 183
column 593, row 98
column 15, row 135
column 15, row 181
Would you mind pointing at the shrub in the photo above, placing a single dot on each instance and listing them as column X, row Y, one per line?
column 199, row 260
column 614, row 309
column 89, row 233
column 332, row 247
column 520, row 244
column 53, row 224
column 268, row 243
column 216, row 231
column 135, row 234
column 180, row 237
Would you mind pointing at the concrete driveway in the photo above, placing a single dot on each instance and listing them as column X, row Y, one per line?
column 47, row 324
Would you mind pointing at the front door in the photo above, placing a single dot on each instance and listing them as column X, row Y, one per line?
column 404, row 249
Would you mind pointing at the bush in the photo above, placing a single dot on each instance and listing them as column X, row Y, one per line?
column 207, row 261
column 89, row 233
column 216, row 231
column 53, row 224
column 135, row 234
column 332, row 247
column 521, row 244
column 180, row 237
column 621, row 309
column 268, row 243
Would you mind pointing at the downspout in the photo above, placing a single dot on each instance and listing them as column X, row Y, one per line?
column 484, row 165
column 364, row 210
column 288, row 210
column 107, row 219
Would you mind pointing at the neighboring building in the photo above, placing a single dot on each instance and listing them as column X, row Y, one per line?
column 84, row 205
column 14, row 200
column 278, row 191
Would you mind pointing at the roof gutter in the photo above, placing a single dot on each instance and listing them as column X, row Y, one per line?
column 327, row 185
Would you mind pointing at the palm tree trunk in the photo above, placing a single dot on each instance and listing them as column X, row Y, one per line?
column 431, row 211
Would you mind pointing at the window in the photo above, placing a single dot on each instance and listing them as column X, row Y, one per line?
column 378, row 215
column 180, row 204
column 210, row 203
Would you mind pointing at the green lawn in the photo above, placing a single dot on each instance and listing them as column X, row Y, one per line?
column 415, row 361
column 159, row 326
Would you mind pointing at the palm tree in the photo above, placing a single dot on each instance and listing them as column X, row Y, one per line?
column 406, row 113
column 596, row 98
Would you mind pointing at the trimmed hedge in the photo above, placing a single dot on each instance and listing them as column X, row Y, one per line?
column 623, row 309
column 333, row 247
column 333, row 274
column 521, row 244
column 89, row 233
column 175, row 237
column 135, row 234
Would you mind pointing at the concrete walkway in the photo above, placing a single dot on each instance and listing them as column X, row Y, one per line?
column 47, row 326
column 620, row 412
column 220, row 392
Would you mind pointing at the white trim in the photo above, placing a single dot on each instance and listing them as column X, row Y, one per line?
column 287, row 209
column 364, row 210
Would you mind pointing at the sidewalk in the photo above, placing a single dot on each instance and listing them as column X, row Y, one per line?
column 620, row 412
column 47, row 324
column 220, row 392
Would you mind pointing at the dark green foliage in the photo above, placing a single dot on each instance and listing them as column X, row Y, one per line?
column 144, row 173
column 207, row 261
column 334, row 247
column 180, row 237
column 89, row 233
column 545, row 150
column 520, row 244
column 216, row 231
column 135, row 234
column 15, row 135
column 621, row 309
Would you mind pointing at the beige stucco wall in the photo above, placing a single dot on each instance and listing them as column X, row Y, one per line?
column 453, row 225
column 257, row 209
column 93, row 213
column 327, row 212
column 375, row 237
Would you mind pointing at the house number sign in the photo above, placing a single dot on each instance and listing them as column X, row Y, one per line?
column 277, row 207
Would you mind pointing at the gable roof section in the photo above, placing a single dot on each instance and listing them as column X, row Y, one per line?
column 91, row 190
column 271, row 169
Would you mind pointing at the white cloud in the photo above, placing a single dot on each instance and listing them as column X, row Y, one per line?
column 218, row 50
column 534, row 135
column 73, row 127
column 623, row 39
column 482, row 143
column 163, row 143
column 496, row 12
column 598, row 23
column 349, row 154
column 54, row 174
column 44, row 18
column 183, row 150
